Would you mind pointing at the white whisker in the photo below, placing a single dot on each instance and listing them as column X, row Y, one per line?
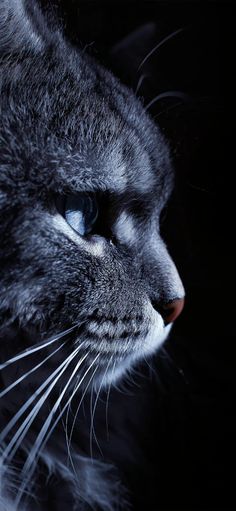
column 92, row 430
column 140, row 81
column 46, row 425
column 91, row 414
column 37, row 347
column 151, row 370
column 168, row 94
column 168, row 109
column 69, row 438
column 28, row 466
column 163, row 41
column 71, row 397
column 31, row 416
column 5, row 391
column 107, row 400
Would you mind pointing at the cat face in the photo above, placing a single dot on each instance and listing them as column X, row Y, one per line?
column 84, row 176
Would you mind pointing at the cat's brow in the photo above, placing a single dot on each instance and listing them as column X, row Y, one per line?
column 137, row 204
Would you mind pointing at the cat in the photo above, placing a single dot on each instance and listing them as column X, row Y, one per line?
column 87, row 284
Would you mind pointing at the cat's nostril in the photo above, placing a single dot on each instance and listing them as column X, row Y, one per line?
column 171, row 310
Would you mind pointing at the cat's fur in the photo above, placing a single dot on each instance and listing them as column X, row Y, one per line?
column 67, row 125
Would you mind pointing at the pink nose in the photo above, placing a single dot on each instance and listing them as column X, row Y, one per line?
column 172, row 310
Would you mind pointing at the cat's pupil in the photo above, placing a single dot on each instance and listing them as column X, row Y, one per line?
column 80, row 212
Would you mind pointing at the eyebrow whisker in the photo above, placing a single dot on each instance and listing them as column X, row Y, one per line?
column 158, row 45
column 169, row 94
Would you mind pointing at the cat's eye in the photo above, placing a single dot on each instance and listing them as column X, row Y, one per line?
column 80, row 212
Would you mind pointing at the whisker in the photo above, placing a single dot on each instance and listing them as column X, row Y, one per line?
column 140, row 81
column 92, row 430
column 5, row 391
column 167, row 110
column 150, row 368
column 65, row 425
column 46, row 425
column 69, row 438
column 107, row 401
column 28, row 466
column 38, row 347
column 163, row 41
column 168, row 94
column 71, row 397
column 31, row 416
column 91, row 413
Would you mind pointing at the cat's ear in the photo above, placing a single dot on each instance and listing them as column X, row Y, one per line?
column 21, row 27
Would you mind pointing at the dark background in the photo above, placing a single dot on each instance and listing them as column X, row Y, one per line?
column 171, row 433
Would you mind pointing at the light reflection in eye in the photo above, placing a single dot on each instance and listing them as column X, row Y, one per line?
column 80, row 212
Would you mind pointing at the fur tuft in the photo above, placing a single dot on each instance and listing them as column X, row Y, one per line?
column 89, row 482
column 17, row 32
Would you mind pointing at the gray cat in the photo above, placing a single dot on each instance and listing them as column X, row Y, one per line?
column 87, row 284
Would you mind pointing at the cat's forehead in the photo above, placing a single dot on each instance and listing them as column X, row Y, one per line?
column 85, row 133
column 139, row 177
column 118, row 147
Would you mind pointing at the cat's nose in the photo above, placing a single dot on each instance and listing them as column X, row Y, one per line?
column 171, row 310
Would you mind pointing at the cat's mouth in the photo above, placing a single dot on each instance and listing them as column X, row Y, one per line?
column 142, row 332
column 120, row 343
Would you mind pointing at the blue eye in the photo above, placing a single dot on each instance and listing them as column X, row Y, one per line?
column 80, row 212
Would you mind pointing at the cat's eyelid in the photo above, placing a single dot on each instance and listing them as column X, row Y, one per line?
column 95, row 246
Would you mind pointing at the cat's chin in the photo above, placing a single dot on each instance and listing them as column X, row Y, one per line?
column 155, row 338
column 148, row 345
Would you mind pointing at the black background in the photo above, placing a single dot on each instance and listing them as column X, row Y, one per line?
column 172, row 432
